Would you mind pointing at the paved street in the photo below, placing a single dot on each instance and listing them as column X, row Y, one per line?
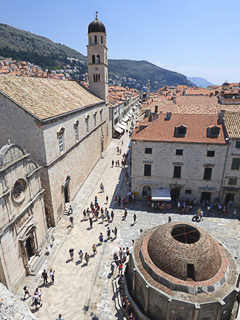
column 85, row 292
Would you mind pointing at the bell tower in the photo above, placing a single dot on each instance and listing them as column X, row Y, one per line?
column 97, row 59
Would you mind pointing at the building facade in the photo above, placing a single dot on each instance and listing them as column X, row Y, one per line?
column 188, row 154
column 23, row 226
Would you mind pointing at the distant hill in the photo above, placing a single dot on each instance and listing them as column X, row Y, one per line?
column 24, row 45
column 200, row 82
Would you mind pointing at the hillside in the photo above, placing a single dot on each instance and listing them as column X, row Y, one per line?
column 23, row 45
column 200, row 82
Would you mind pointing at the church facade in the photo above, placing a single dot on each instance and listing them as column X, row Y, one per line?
column 63, row 125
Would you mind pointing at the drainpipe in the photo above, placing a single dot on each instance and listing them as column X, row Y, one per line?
column 224, row 168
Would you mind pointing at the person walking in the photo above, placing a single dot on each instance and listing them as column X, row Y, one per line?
column 26, row 292
column 101, row 238
column 101, row 187
column 91, row 222
column 112, row 215
column 115, row 233
column 108, row 233
column 71, row 221
column 80, row 253
column 60, row 317
column 39, row 293
column 106, row 199
column 134, row 218
column 86, row 257
column 71, row 253
column 112, row 163
column 94, row 248
column 36, row 301
column 115, row 200
column 84, row 214
column 70, row 209
column 45, row 277
column 51, row 274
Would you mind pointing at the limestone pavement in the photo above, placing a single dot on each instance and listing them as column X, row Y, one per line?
column 85, row 292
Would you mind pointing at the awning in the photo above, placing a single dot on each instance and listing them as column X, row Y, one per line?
column 126, row 118
column 119, row 129
column 121, row 126
column 161, row 194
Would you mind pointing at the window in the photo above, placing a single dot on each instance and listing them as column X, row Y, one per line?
column 179, row 152
column 148, row 150
column 207, row 174
column 213, row 132
column 188, row 191
column 95, row 119
column 60, row 140
column 95, row 39
column 101, row 115
column 101, row 39
column 93, row 59
column 76, row 130
column 96, row 78
column 232, row 181
column 177, row 172
column 86, row 121
column 147, row 170
column 237, row 144
column 210, row 153
column 180, row 131
column 235, row 164
column 98, row 58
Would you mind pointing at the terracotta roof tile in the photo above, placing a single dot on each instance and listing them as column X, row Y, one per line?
column 232, row 124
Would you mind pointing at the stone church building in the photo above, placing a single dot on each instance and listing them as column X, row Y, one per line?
column 23, row 228
column 64, row 126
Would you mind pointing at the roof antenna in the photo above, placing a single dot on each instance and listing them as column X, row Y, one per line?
column 96, row 15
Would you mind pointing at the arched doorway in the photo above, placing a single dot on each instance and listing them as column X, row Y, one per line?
column 146, row 191
column 30, row 246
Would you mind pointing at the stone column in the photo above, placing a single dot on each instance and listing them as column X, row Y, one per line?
column 146, row 299
column 196, row 311
column 219, row 312
column 169, row 308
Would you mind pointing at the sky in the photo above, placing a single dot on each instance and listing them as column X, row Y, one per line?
column 195, row 38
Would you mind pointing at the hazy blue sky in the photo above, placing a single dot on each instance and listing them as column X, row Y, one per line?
column 196, row 38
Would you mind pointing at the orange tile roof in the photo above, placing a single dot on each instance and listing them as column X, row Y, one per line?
column 232, row 124
column 164, row 130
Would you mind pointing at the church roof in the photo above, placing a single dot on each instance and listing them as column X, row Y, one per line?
column 96, row 26
column 46, row 98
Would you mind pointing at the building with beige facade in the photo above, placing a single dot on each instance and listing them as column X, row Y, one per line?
column 189, row 154
column 23, row 227
column 62, row 124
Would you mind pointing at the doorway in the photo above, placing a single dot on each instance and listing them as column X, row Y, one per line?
column 29, row 248
column 229, row 197
column 66, row 190
column 206, row 196
column 175, row 194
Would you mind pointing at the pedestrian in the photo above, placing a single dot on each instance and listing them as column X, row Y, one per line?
column 116, row 163
column 125, row 213
column 39, row 293
column 91, row 222
column 120, row 267
column 134, row 218
column 141, row 230
column 112, row 163
column 60, row 317
column 115, row 200
column 71, row 253
column 51, row 274
column 106, row 199
column 127, row 251
column 84, row 214
column 71, row 221
column 70, row 209
column 36, row 301
column 113, row 264
column 94, row 248
column 26, row 292
column 86, row 257
column 80, row 253
column 108, row 233
column 120, row 151
column 101, row 187
column 45, row 277
column 119, row 200
column 115, row 232
column 169, row 219
column 120, row 253
column 101, row 238
column 95, row 200
column 112, row 215
column 124, row 201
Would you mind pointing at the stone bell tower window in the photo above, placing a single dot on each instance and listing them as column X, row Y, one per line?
column 95, row 39
column 98, row 58
column 93, row 58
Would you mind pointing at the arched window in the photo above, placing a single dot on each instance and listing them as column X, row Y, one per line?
column 98, row 78
column 93, row 59
column 98, row 58
column 95, row 38
column 101, row 39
